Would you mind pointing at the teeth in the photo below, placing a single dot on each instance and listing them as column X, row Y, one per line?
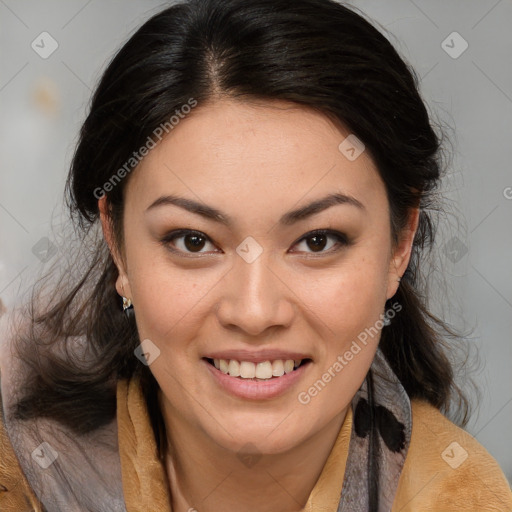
column 288, row 366
column 247, row 370
column 234, row 368
column 278, row 368
column 224, row 366
column 263, row 370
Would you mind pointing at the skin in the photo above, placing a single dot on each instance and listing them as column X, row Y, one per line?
column 255, row 161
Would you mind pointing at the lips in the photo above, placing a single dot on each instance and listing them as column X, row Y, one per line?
column 257, row 376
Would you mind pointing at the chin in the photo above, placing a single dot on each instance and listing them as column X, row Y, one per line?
column 262, row 433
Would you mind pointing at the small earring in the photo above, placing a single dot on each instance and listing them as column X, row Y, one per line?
column 386, row 321
column 127, row 305
column 399, row 279
column 128, row 308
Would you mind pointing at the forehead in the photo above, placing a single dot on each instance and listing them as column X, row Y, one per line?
column 269, row 153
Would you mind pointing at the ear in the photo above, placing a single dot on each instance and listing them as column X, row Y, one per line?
column 402, row 252
column 122, row 282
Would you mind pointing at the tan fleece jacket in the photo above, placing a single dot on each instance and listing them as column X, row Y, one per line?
column 446, row 469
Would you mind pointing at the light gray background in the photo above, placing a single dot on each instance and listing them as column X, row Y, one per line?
column 43, row 102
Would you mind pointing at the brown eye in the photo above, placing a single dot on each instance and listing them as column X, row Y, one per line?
column 194, row 242
column 186, row 241
column 317, row 241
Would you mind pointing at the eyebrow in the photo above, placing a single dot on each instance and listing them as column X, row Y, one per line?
column 287, row 219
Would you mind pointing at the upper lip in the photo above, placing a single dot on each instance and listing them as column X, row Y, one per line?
column 256, row 356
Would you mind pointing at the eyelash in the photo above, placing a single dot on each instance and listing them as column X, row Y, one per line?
column 341, row 239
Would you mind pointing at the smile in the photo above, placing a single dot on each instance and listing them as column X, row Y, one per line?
column 264, row 370
column 256, row 380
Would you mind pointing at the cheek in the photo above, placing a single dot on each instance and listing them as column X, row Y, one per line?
column 349, row 297
column 167, row 299
column 349, row 303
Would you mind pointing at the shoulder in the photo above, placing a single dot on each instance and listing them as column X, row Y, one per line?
column 15, row 492
column 448, row 469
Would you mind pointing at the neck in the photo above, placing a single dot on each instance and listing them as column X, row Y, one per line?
column 208, row 477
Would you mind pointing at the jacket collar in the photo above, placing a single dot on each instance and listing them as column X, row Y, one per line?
column 123, row 472
column 144, row 476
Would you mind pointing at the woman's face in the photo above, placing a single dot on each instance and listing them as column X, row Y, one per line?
column 253, row 285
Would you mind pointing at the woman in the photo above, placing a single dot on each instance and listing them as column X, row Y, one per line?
column 247, row 329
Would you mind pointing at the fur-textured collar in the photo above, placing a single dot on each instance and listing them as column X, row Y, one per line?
column 427, row 463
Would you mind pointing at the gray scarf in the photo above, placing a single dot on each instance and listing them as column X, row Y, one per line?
column 86, row 476
column 381, row 432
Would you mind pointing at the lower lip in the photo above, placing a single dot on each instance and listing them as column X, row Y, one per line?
column 254, row 389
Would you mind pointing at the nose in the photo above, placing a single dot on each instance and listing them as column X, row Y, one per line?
column 255, row 298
